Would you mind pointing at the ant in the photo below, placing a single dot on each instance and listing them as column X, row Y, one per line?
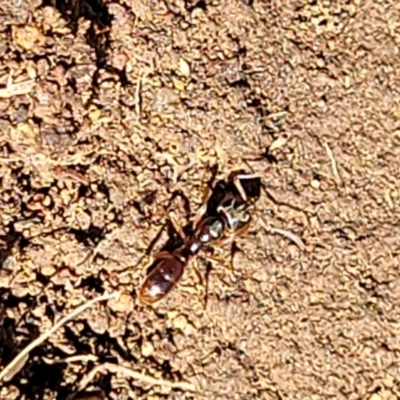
column 224, row 215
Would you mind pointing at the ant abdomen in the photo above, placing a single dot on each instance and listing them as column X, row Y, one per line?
column 167, row 271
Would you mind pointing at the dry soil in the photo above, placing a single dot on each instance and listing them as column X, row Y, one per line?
column 108, row 108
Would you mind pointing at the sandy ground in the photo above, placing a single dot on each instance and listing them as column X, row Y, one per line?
column 108, row 108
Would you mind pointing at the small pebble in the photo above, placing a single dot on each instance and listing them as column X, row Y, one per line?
column 388, row 381
column 124, row 303
column 147, row 349
column 178, row 84
column 315, row 184
column 184, row 67
column 180, row 322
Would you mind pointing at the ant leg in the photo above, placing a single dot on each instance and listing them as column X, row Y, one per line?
column 198, row 273
column 237, row 177
column 229, row 240
column 185, row 200
column 233, row 248
column 201, row 282
column 207, row 192
column 203, row 208
column 283, row 232
column 207, row 276
column 222, row 262
column 175, row 224
column 145, row 261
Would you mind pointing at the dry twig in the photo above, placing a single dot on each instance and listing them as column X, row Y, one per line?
column 138, row 97
column 333, row 163
column 114, row 368
column 10, row 370
column 287, row 234
column 72, row 359
column 17, row 89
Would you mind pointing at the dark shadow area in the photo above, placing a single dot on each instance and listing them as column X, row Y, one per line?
column 87, row 395
column 98, row 34
column 89, row 237
column 34, row 377
column 7, row 243
column 16, row 333
column 94, row 11
column 38, row 377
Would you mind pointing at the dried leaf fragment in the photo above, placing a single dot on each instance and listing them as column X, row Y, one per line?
column 28, row 37
column 17, row 89
column 178, row 84
column 278, row 143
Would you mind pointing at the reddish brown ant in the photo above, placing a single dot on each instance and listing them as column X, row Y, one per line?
column 225, row 214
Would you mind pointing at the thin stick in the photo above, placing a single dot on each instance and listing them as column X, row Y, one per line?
column 289, row 235
column 333, row 163
column 72, row 359
column 138, row 96
column 44, row 336
column 138, row 376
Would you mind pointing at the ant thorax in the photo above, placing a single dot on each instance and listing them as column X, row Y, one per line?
column 210, row 230
column 235, row 212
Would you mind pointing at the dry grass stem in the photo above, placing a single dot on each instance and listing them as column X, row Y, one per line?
column 333, row 162
column 72, row 359
column 138, row 97
column 289, row 235
column 10, row 370
column 137, row 376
